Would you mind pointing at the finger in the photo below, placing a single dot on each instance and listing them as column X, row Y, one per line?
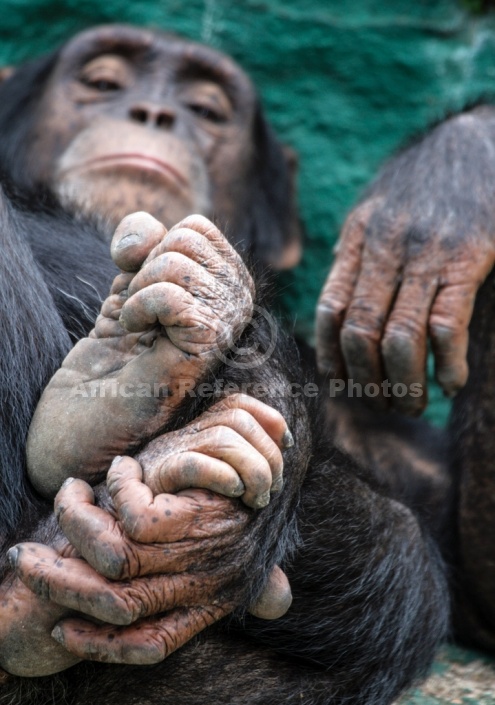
column 121, row 283
column 404, row 345
column 269, row 418
column 337, row 292
column 178, row 269
column 253, row 467
column 276, row 597
column 218, row 442
column 99, row 538
column 246, row 426
column 72, row 583
column 449, row 331
column 190, row 244
column 147, row 642
column 451, row 314
column 149, row 519
column 184, row 470
column 92, row 531
column 199, row 239
column 172, row 307
column 365, row 319
column 135, row 237
column 205, row 227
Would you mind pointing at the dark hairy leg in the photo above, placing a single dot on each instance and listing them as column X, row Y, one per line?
column 473, row 439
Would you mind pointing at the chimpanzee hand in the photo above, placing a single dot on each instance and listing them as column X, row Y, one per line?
column 233, row 449
column 195, row 576
column 409, row 263
column 26, row 622
column 159, row 332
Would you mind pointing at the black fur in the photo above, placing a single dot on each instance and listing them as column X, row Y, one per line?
column 370, row 600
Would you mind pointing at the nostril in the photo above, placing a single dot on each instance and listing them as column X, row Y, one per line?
column 139, row 115
column 164, row 120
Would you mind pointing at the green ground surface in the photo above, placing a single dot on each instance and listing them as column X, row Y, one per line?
column 459, row 677
column 345, row 82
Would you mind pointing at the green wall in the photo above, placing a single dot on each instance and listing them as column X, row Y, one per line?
column 345, row 82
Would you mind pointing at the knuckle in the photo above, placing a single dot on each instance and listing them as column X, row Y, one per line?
column 261, row 476
column 401, row 331
column 443, row 331
column 330, row 304
column 241, row 420
column 397, row 345
column 225, row 435
column 115, row 563
column 364, row 316
column 357, row 220
column 354, row 337
column 417, row 237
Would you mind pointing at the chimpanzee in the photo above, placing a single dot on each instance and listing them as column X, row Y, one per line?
column 412, row 264
column 119, row 120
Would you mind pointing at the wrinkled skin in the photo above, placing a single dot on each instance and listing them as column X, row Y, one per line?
column 162, row 328
column 166, row 538
column 147, row 113
column 234, row 448
column 54, row 574
column 366, row 577
column 412, row 264
column 410, row 261
column 133, row 119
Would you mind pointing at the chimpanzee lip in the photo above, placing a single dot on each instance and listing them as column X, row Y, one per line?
column 140, row 160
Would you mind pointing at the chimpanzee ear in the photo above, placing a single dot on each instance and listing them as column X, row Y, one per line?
column 276, row 229
column 6, row 72
column 292, row 250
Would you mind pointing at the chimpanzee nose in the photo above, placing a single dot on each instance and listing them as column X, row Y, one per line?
column 153, row 115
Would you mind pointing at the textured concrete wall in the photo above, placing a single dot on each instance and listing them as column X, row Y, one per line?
column 344, row 81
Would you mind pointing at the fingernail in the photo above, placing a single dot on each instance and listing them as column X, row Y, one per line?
column 278, row 484
column 12, row 556
column 58, row 634
column 288, row 439
column 67, row 482
column 239, row 489
column 263, row 500
column 116, row 460
column 129, row 240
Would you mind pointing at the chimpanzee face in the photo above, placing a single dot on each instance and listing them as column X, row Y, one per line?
column 137, row 120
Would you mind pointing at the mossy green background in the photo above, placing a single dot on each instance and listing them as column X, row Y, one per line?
column 344, row 81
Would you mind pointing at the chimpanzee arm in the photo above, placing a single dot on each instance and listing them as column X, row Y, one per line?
column 411, row 258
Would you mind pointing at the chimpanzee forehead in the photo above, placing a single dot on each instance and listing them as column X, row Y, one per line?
column 187, row 57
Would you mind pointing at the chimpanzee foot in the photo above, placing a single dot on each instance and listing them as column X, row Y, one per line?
column 158, row 334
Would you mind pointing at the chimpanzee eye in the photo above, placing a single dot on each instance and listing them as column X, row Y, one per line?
column 206, row 112
column 103, row 85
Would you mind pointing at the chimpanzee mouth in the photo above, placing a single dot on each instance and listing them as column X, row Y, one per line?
column 138, row 162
